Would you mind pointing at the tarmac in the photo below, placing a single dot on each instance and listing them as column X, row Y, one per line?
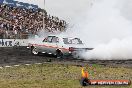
column 21, row 55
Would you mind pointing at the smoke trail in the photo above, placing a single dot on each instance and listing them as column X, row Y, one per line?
column 108, row 28
column 115, row 49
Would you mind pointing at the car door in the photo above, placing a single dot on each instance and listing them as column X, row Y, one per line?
column 53, row 44
column 45, row 44
column 50, row 44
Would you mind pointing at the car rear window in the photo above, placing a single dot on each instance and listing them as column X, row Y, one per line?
column 72, row 41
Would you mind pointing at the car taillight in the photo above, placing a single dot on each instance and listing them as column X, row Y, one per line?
column 71, row 49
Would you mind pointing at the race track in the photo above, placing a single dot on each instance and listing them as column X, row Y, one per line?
column 21, row 55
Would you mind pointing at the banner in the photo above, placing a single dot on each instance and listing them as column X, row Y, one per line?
column 13, row 42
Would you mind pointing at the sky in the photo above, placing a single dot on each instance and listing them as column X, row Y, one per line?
column 69, row 10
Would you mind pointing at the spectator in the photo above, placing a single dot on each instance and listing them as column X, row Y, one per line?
column 18, row 21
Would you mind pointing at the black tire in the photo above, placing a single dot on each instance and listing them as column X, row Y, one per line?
column 33, row 51
column 59, row 54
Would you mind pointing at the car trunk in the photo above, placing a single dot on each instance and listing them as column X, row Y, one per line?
column 78, row 49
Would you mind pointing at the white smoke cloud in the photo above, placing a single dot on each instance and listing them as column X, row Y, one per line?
column 103, row 23
column 108, row 28
column 114, row 50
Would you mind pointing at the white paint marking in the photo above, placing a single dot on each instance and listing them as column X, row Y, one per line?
column 1, row 67
column 38, row 63
column 27, row 64
column 8, row 66
column 19, row 65
column 16, row 65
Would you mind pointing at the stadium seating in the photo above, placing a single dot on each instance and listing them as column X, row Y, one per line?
column 20, row 22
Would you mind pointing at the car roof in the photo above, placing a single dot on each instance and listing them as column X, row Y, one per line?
column 61, row 36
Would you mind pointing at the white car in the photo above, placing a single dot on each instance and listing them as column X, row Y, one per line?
column 59, row 46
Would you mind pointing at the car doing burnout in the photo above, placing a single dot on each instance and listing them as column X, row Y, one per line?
column 59, row 46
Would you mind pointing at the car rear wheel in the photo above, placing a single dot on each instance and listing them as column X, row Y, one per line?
column 59, row 54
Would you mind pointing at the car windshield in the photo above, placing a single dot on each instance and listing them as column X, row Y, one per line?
column 72, row 41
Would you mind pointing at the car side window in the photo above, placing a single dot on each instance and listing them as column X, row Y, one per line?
column 55, row 40
column 48, row 39
column 51, row 39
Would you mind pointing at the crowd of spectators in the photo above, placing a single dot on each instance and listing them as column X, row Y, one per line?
column 21, row 22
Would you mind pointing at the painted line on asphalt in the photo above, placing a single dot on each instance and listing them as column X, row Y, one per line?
column 1, row 67
column 38, row 63
column 16, row 65
column 7, row 66
column 27, row 64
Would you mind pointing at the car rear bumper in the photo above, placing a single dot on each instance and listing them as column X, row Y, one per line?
column 77, row 53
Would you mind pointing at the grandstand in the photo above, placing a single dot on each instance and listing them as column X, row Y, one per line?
column 19, row 20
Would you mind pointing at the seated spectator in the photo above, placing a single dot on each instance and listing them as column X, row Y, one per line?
column 20, row 21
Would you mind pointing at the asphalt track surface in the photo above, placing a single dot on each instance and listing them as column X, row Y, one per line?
column 21, row 55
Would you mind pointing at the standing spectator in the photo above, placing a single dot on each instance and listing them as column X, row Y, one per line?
column 15, row 33
column 7, row 34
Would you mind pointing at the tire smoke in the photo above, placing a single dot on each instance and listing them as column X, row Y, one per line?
column 108, row 28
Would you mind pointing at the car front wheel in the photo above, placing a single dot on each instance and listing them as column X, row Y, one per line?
column 34, row 51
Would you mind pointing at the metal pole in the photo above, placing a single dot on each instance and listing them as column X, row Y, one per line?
column 44, row 16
